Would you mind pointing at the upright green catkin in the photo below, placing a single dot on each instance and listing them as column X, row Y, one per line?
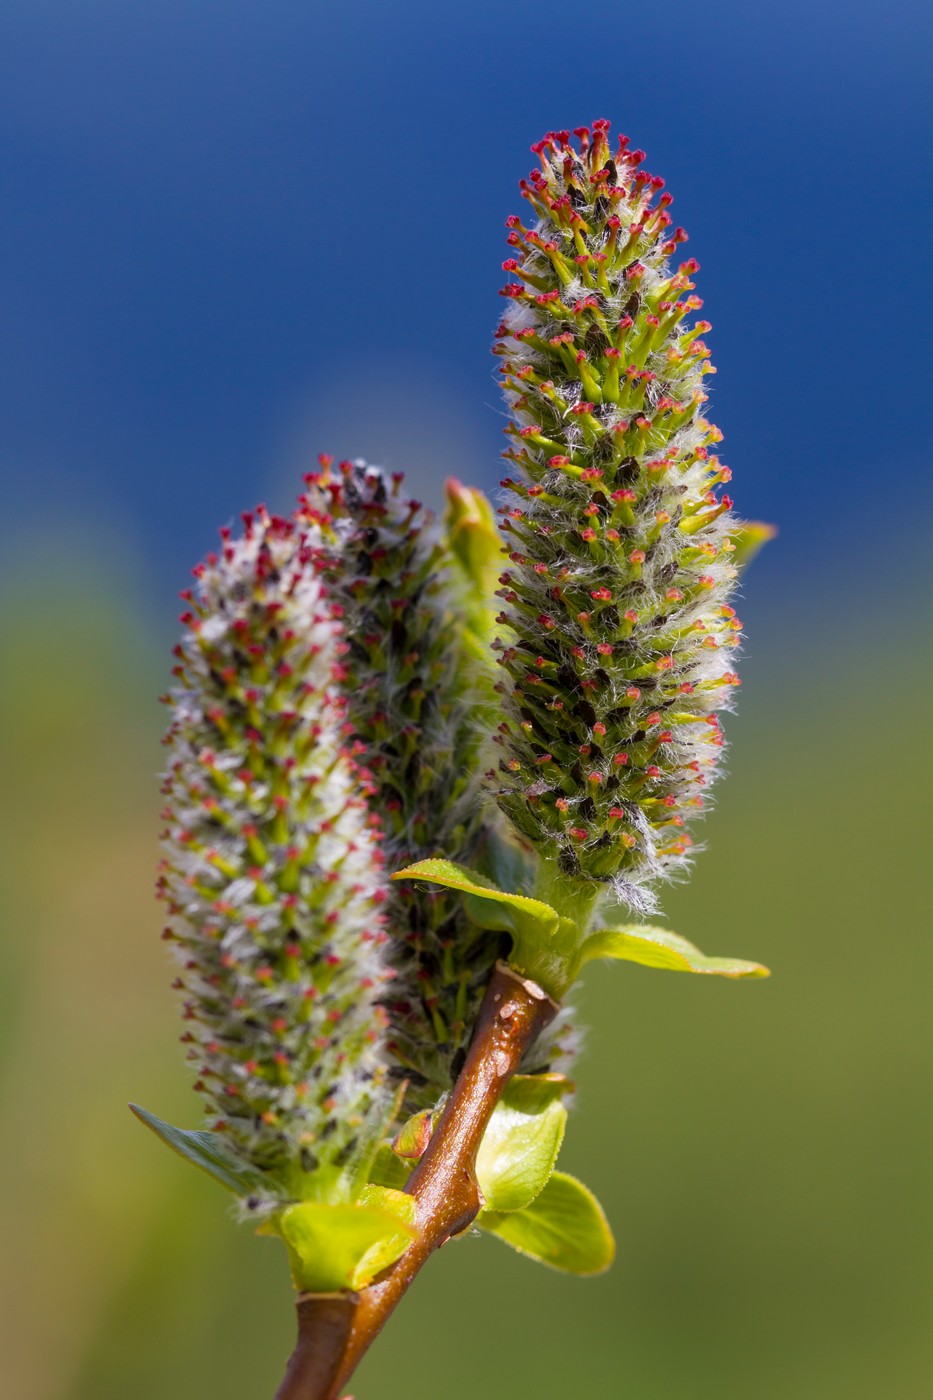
column 620, row 652
column 411, row 706
column 272, row 873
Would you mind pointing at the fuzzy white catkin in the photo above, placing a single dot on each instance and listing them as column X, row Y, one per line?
column 272, row 871
column 412, row 708
column 621, row 637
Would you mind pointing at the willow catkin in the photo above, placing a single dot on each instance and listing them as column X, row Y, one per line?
column 621, row 636
column 272, row 871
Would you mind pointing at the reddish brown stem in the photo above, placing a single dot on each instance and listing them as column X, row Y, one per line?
column 324, row 1324
column 514, row 1012
column 444, row 1185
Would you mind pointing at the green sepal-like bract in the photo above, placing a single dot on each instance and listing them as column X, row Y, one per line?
column 564, row 1227
column 208, row 1151
column 521, row 916
column 473, row 541
column 520, row 1146
column 749, row 537
column 659, row 947
column 337, row 1246
column 211, row 1153
column 543, row 944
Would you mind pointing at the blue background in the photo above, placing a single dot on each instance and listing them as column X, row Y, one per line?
column 236, row 234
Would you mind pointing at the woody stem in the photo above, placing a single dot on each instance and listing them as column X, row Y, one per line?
column 514, row 1012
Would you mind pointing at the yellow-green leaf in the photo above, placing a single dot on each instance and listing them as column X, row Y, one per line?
column 474, row 540
column 335, row 1247
column 385, row 1251
column 208, row 1151
column 520, row 1146
column 659, row 947
column 563, row 1227
column 749, row 536
column 489, row 907
column 545, row 947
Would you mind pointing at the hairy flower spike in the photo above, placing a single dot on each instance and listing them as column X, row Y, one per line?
column 410, row 700
column 621, row 640
column 272, row 872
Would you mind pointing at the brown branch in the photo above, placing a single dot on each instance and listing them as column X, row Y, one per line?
column 444, row 1185
column 514, row 1012
column 324, row 1324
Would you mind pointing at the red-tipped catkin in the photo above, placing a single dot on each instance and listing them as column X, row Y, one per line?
column 621, row 640
column 410, row 709
column 272, row 872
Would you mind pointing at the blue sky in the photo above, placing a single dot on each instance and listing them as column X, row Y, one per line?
column 234, row 234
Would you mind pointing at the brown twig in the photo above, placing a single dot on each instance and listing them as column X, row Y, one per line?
column 324, row 1324
column 447, row 1195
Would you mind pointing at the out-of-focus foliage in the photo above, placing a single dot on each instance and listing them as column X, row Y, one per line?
column 764, row 1155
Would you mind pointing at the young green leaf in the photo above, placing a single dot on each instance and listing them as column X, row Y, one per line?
column 520, row 1146
column 336, row 1247
column 659, row 947
column 394, row 1201
column 385, row 1251
column 207, row 1151
column 489, row 907
column 545, row 946
column 564, row 1227
column 749, row 536
column 473, row 539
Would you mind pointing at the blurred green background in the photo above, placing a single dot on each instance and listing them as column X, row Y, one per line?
column 763, row 1150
